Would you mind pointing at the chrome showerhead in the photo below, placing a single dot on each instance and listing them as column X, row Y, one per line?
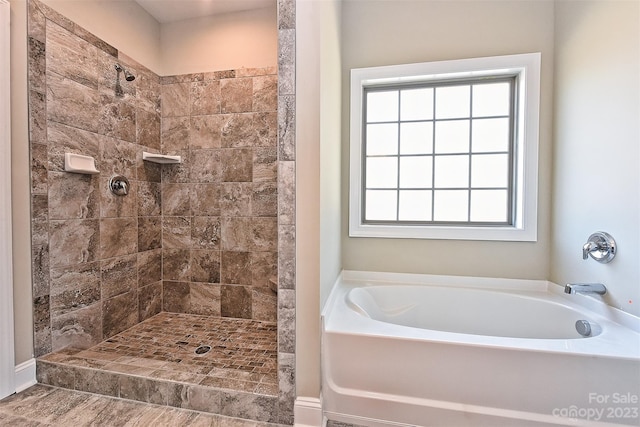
column 127, row 75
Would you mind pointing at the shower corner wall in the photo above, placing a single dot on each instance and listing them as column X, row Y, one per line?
column 97, row 259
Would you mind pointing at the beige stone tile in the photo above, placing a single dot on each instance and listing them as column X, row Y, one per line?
column 176, row 199
column 205, row 266
column 115, row 206
column 39, row 174
column 119, row 313
column 36, row 53
column 175, row 296
column 175, row 99
column 206, row 232
column 206, row 131
column 236, row 268
column 119, row 275
column 264, row 269
column 265, row 165
column 117, row 158
column 265, row 93
column 81, row 328
column 149, row 235
column 236, row 95
column 286, row 127
column 74, row 287
column 204, row 299
column 149, row 199
column 264, row 303
column 118, row 236
column 72, row 103
column 205, row 97
column 63, row 139
column 238, row 130
column 176, row 232
column 70, row 56
column 237, row 164
column 176, row 264
column 73, row 241
column 149, row 301
column 235, row 301
column 205, row 166
column 73, row 196
column 205, row 199
column 175, row 134
column 148, row 129
column 236, row 199
column 37, row 118
column 149, row 267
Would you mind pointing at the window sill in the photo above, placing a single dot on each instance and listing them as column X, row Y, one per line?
column 505, row 233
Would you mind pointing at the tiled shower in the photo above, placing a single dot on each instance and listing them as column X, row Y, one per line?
column 212, row 236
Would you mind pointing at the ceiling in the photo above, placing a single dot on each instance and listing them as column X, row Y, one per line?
column 177, row 10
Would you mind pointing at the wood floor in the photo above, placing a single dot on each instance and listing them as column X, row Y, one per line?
column 42, row 405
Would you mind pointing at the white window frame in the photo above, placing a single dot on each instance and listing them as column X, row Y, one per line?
column 527, row 68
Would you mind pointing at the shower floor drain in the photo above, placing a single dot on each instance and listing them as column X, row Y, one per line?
column 203, row 349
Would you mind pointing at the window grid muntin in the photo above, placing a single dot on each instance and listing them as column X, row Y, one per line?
column 510, row 208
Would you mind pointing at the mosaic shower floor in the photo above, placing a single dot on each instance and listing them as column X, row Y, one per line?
column 164, row 360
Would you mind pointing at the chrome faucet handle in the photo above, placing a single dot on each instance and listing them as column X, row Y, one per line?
column 587, row 248
column 600, row 247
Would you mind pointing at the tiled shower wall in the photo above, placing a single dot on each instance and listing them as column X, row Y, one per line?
column 96, row 256
column 219, row 225
column 208, row 225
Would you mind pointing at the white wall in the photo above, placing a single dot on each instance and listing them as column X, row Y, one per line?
column 389, row 32
column 230, row 41
column 307, row 199
column 330, row 146
column 597, row 138
column 318, row 178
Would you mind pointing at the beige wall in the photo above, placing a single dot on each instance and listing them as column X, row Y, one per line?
column 234, row 40
column 123, row 24
column 396, row 32
column 597, row 134
column 20, row 185
column 229, row 41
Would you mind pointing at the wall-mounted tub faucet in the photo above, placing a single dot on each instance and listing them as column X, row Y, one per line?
column 600, row 246
column 585, row 288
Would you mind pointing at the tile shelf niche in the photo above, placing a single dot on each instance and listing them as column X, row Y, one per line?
column 162, row 159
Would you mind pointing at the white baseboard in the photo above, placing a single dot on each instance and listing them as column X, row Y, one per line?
column 25, row 375
column 307, row 412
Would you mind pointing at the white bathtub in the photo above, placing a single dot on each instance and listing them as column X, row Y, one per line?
column 401, row 349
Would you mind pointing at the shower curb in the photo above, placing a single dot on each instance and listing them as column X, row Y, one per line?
column 231, row 403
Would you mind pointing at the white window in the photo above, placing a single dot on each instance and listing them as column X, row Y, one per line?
column 445, row 150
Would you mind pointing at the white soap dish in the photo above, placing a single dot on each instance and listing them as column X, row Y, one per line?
column 77, row 163
column 163, row 159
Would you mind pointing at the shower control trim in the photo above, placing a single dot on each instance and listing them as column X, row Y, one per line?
column 119, row 185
